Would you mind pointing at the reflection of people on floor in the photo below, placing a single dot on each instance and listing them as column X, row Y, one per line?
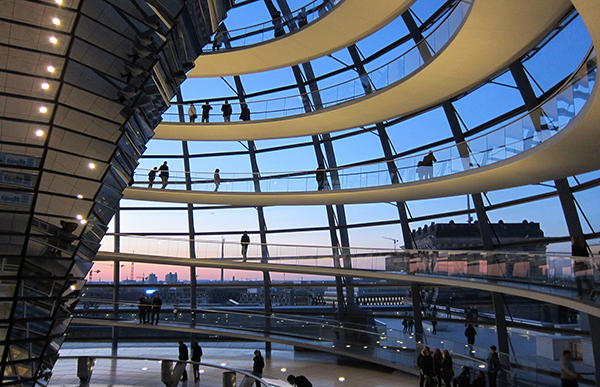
column 245, row 241
column 425, row 166
column 582, row 267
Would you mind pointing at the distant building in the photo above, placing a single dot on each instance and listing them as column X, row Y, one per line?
column 152, row 279
column 448, row 237
column 459, row 236
column 171, row 278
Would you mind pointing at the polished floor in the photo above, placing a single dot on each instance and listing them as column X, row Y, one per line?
column 323, row 370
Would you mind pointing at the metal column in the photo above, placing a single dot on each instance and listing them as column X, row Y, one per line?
column 331, row 216
column 190, row 213
column 262, row 226
column 387, row 150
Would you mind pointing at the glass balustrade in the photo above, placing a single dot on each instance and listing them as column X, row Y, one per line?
column 510, row 138
column 553, row 273
column 261, row 32
column 382, row 77
column 373, row 339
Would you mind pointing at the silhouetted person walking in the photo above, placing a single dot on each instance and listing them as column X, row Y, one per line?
column 245, row 112
column 226, row 109
column 156, row 305
column 425, row 366
column 183, row 356
column 217, row 179
column 425, row 167
column 142, row 309
column 164, row 175
column 196, row 358
column 192, row 113
column 494, row 366
column 219, row 37
column 321, row 177
column 278, row 25
column 568, row 375
column 206, row 108
column 257, row 367
column 245, row 241
column 470, row 333
column 152, row 176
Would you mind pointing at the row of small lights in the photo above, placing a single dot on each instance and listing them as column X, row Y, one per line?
column 43, row 109
column 341, row 378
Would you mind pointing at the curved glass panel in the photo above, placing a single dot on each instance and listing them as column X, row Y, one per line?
column 268, row 30
column 382, row 77
column 509, row 139
column 553, row 273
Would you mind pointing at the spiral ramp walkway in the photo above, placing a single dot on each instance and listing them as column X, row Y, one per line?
column 528, row 290
column 369, row 343
column 530, row 167
column 494, row 34
column 349, row 22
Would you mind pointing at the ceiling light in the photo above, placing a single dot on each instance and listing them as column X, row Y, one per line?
column 342, row 379
column 43, row 109
column 45, row 85
column 53, row 40
column 283, row 369
column 91, row 166
column 223, row 364
column 39, row 132
column 56, row 21
column 79, row 217
column 59, row 2
column 50, row 69
column 80, row 196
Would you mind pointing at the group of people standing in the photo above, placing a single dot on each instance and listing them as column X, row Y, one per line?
column 226, row 109
column 438, row 367
column 435, row 368
column 258, row 365
column 149, row 310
